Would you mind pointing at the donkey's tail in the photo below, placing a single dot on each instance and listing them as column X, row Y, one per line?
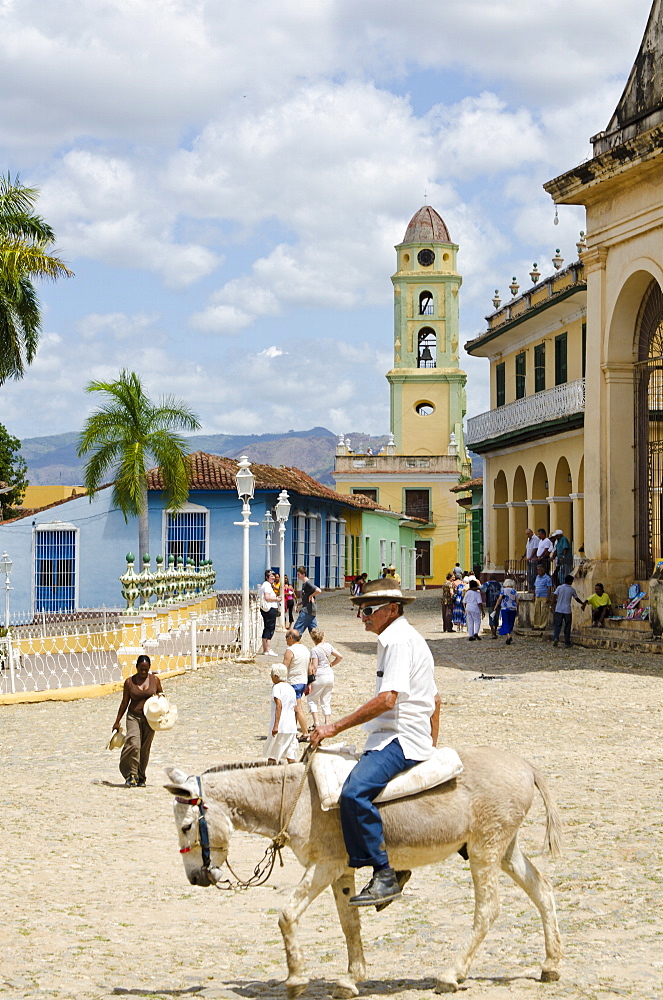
column 553, row 838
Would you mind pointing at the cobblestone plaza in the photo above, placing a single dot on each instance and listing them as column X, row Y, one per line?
column 95, row 902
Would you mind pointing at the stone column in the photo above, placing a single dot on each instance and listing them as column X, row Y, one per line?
column 578, row 501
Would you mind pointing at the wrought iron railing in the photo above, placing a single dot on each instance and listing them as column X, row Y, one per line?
column 541, row 407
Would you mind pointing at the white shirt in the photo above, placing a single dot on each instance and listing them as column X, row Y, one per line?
column 322, row 655
column 286, row 695
column 405, row 665
column 532, row 547
column 472, row 600
column 268, row 594
column 298, row 666
column 544, row 546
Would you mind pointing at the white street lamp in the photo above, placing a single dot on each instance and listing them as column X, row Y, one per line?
column 245, row 481
column 268, row 528
column 282, row 510
column 6, row 567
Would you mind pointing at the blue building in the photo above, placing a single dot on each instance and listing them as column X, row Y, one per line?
column 70, row 554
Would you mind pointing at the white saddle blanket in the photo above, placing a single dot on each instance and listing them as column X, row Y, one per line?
column 332, row 765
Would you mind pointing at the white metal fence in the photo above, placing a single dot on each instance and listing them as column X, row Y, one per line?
column 88, row 647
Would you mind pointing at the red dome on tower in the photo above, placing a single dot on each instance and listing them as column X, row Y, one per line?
column 426, row 226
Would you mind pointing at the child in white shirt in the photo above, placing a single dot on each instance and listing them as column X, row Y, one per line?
column 282, row 738
column 473, row 602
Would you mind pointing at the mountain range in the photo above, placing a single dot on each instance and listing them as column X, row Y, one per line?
column 52, row 460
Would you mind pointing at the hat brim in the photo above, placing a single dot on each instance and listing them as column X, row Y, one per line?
column 368, row 599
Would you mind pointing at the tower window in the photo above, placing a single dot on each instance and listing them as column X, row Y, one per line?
column 426, row 348
column 426, row 304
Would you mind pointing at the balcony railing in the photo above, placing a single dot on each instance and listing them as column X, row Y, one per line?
column 396, row 463
column 531, row 411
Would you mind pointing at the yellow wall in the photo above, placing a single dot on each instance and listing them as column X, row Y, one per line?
column 41, row 496
column 573, row 331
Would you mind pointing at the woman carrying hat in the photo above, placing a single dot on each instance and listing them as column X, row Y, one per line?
column 136, row 750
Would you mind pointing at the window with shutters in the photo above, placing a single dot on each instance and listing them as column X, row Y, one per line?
column 521, row 375
column 500, row 384
column 539, row 367
column 560, row 359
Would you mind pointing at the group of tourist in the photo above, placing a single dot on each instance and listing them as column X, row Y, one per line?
column 465, row 602
column 540, row 550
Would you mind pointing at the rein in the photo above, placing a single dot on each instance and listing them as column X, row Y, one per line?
column 265, row 867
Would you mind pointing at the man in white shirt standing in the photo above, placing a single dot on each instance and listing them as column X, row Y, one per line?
column 531, row 547
column 544, row 550
column 402, row 721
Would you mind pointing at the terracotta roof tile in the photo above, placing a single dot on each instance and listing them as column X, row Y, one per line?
column 214, row 472
column 467, row 485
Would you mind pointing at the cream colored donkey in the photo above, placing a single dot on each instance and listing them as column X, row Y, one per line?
column 480, row 810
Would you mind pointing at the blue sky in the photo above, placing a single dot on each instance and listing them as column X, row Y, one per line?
column 228, row 181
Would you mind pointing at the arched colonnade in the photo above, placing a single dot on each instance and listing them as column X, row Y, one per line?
column 548, row 493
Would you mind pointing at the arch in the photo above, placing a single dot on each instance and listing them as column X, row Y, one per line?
column 621, row 323
column 501, row 520
column 563, row 479
column 426, row 347
column 540, row 483
column 519, row 493
column 648, row 430
column 426, row 304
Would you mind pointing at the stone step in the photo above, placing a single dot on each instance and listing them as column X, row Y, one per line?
column 621, row 632
column 598, row 640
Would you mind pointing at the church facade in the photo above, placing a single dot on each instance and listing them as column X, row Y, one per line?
column 426, row 453
column 606, row 433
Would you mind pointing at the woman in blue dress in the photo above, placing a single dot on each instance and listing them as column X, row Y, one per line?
column 507, row 604
column 458, row 613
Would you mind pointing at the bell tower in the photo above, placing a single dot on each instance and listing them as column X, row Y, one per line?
column 427, row 387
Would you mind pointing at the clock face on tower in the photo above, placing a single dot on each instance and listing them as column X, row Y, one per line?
column 426, row 257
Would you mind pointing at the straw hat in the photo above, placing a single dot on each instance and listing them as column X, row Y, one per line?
column 381, row 592
column 160, row 714
column 116, row 741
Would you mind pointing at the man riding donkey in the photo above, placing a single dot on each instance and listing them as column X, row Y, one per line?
column 402, row 721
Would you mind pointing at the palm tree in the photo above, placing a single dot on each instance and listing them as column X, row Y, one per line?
column 129, row 434
column 25, row 240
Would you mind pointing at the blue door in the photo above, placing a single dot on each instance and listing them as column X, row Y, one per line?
column 55, row 571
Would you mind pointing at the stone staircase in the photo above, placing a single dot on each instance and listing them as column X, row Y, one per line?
column 626, row 634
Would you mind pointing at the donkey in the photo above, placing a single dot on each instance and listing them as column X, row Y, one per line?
column 477, row 813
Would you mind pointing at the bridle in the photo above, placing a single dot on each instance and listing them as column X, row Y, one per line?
column 265, row 866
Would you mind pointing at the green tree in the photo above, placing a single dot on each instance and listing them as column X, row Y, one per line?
column 126, row 437
column 25, row 242
column 13, row 470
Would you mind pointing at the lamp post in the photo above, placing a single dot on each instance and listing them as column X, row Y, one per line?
column 282, row 514
column 6, row 568
column 245, row 481
column 268, row 528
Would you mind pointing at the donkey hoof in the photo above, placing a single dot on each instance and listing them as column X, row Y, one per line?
column 345, row 989
column 446, row 986
column 549, row 975
column 295, row 987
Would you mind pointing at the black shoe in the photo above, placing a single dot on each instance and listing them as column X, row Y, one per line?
column 401, row 878
column 478, row 638
column 471, row 638
column 141, row 782
column 131, row 782
column 508, row 640
column 383, row 888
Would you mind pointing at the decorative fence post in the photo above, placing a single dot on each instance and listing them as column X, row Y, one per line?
column 194, row 640
column 160, row 582
column 145, row 584
column 129, row 584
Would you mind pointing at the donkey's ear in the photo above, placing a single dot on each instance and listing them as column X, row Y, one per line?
column 181, row 783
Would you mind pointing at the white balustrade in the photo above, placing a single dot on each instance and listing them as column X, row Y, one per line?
column 549, row 404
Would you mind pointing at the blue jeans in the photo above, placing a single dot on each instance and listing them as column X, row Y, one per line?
column 360, row 819
column 305, row 621
column 558, row 620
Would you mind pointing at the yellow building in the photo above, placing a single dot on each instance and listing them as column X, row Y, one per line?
column 596, row 436
column 426, row 452
column 532, row 438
